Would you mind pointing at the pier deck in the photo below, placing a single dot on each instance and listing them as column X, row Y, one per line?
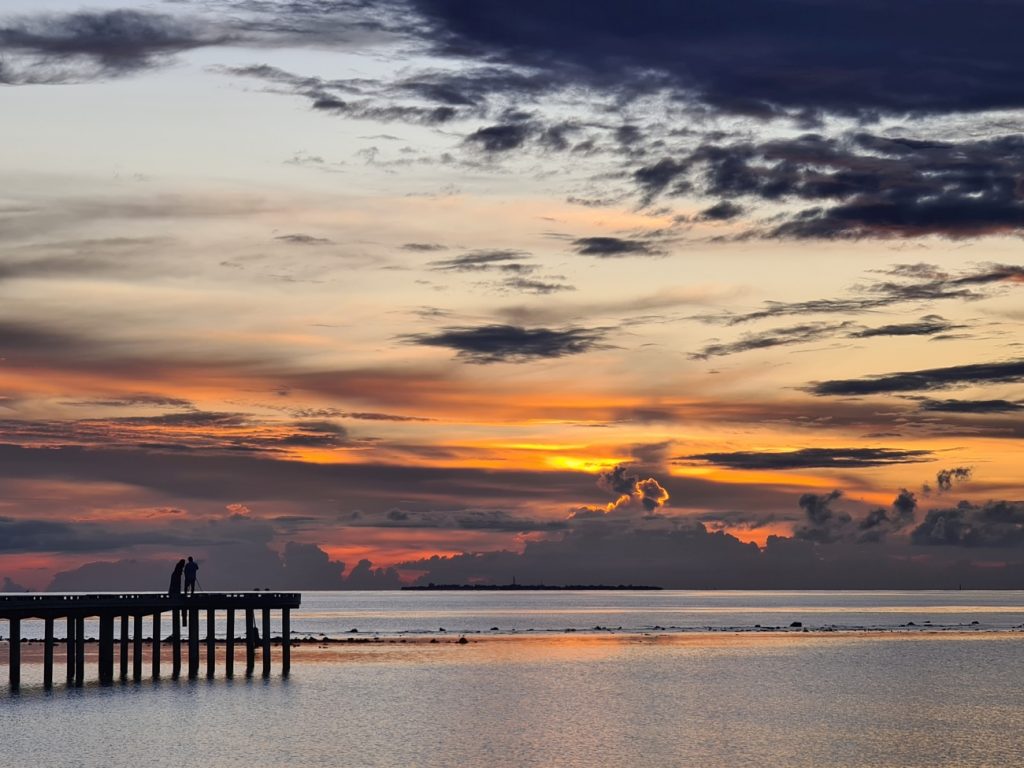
column 131, row 609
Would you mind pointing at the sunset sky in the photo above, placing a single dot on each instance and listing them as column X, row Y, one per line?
column 695, row 294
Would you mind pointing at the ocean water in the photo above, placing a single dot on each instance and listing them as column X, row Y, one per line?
column 397, row 613
column 945, row 697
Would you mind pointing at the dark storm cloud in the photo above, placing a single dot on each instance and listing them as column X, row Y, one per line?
column 108, row 43
column 881, row 522
column 478, row 261
column 738, row 57
column 902, row 284
column 811, row 457
column 824, row 524
column 424, row 247
column 187, row 419
column 927, row 326
column 303, row 239
column 129, row 401
column 857, row 185
column 28, row 535
column 473, row 86
column 614, row 247
column 512, row 344
column 366, row 110
column 971, row 406
column 992, row 524
column 358, row 99
column 536, row 287
column 617, row 480
column 945, row 478
column 70, row 47
column 738, row 519
column 190, row 430
column 373, row 416
column 500, row 138
column 776, row 337
column 629, row 489
column 846, row 57
column 930, row 325
column 433, row 98
column 313, row 434
column 905, row 504
column 723, row 211
column 931, row 379
column 653, row 179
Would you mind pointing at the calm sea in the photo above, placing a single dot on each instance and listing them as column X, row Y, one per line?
column 532, row 694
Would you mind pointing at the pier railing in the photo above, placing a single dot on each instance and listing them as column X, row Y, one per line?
column 134, row 608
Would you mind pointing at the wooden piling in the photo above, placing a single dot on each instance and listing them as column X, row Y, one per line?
column 266, row 642
column 48, row 652
column 229, row 644
column 69, row 644
column 106, row 650
column 193, row 643
column 250, row 641
column 211, row 643
column 175, row 643
column 79, row 651
column 137, row 646
column 14, row 653
column 286, row 641
column 155, row 661
column 124, row 646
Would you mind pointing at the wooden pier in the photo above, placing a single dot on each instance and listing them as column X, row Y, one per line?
column 122, row 610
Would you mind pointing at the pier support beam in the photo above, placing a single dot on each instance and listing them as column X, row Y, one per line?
column 193, row 643
column 155, row 662
column 175, row 643
column 286, row 641
column 48, row 652
column 14, row 655
column 123, row 650
column 211, row 643
column 229, row 644
column 137, row 647
column 266, row 642
column 250, row 641
column 106, row 651
column 79, row 651
column 69, row 644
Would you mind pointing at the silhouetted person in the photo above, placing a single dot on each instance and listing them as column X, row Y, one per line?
column 175, row 589
column 191, row 568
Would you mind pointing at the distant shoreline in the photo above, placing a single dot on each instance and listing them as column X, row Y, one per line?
column 527, row 587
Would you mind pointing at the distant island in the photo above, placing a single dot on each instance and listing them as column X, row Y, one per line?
column 522, row 587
